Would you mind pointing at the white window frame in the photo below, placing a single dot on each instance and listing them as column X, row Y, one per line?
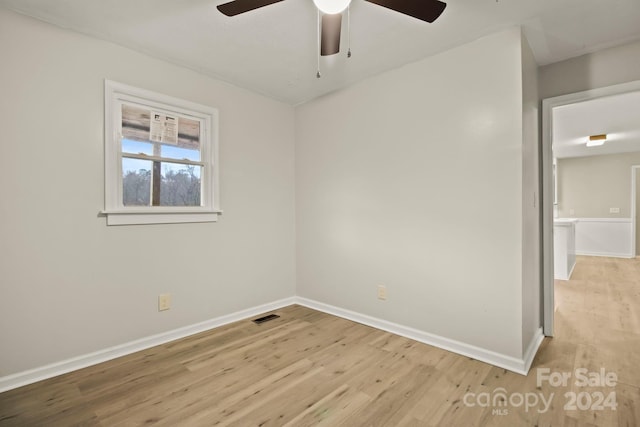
column 115, row 211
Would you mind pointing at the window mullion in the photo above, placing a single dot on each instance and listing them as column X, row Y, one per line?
column 162, row 159
column 156, row 178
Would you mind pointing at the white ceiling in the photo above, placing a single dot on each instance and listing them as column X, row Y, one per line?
column 617, row 116
column 273, row 50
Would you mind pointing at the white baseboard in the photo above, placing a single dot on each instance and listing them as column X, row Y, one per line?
column 31, row 376
column 532, row 348
column 520, row 366
column 605, row 254
column 573, row 267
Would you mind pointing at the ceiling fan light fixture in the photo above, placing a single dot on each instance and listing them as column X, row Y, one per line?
column 595, row 140
column 331, row 7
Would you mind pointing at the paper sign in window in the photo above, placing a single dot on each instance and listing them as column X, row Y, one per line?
column 163, row 128
column 136, row 126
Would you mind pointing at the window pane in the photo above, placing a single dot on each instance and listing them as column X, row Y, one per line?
column 136, row 182
column 137, row 147
column 181, row 185
column 173, row 152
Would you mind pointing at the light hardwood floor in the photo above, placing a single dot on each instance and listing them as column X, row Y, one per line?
column 310, row 368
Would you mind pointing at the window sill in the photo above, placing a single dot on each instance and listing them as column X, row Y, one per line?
column 139, row 217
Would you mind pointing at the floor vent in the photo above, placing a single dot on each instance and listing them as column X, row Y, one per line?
column 265, row 318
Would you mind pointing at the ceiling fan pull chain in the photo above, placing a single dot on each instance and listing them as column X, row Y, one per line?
column 318, row 75
column 349, row 30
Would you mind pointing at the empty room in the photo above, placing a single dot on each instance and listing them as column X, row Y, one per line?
column 319, row 212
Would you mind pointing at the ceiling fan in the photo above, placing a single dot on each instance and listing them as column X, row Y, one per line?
column 425, row 10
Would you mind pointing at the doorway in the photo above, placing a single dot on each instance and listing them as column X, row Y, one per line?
column 548, row 187
column 635, row 208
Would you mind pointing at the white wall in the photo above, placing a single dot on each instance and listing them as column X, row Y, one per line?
column 600, row 69
column 414, row 179
column 610, row 237
column 588, row 187
column 71, row 285
column 531, row 286
column 637, row 216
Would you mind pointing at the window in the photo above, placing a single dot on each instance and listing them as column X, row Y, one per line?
column 160, row 158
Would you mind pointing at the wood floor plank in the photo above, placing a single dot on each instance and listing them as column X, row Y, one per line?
column 333, row 409
column 628, row 405
column 206, row 358
column 236, row 407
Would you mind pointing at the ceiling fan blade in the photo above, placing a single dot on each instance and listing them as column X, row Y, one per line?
column 241, row 6
column 330, row 38
column 425, row 10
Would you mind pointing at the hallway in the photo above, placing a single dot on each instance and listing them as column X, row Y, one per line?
column 597, row 326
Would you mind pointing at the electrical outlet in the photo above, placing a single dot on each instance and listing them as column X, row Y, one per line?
column 614, row 210
column 382, row 292
column 164, row 302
